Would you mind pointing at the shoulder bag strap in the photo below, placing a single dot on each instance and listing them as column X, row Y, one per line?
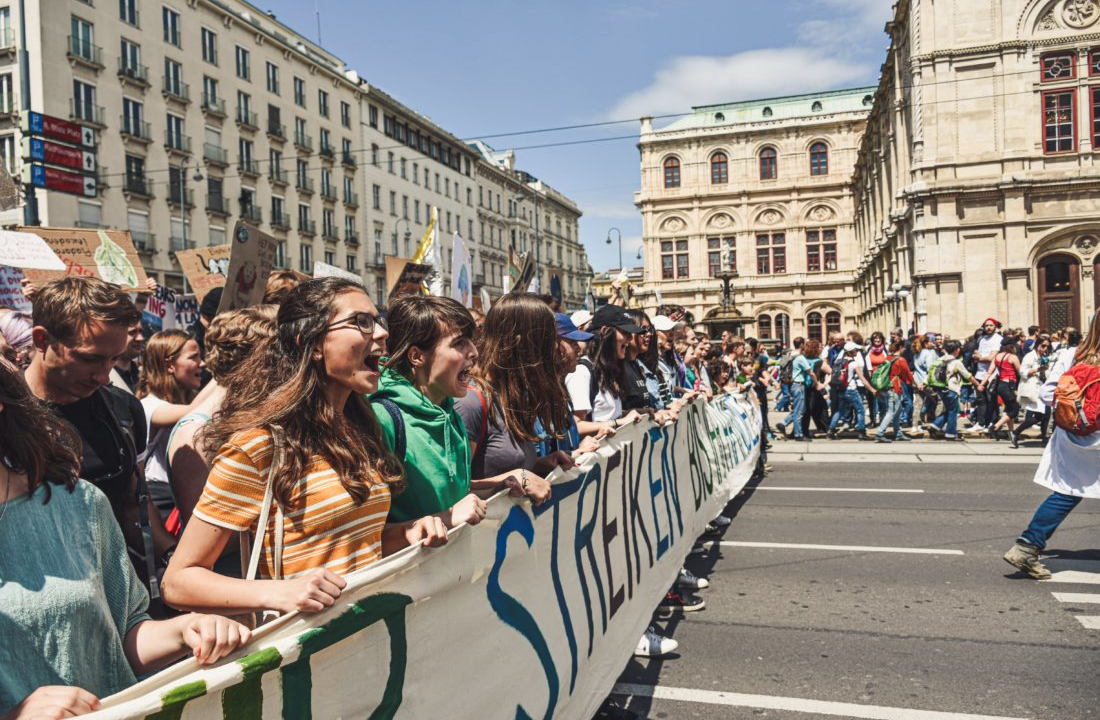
column 277, row 457
column 399, row 443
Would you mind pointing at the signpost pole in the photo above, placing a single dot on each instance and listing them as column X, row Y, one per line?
column 30, row 208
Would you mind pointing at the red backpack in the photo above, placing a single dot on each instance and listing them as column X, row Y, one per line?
column 1077, row 400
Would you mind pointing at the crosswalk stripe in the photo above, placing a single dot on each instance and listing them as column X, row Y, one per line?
column 1091, row 622
column 846, row 548
column 1077, row 597
column 831, row 489
column 1074, row 576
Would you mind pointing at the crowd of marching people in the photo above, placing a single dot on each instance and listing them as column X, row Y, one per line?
column 158, row 485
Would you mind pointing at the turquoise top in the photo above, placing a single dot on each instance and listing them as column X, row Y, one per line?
column 68, row 595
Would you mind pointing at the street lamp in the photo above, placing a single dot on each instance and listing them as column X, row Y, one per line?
column 183, row 197
column 408, row 235
column 535, row 196
column 897, row 292
column 620, row 235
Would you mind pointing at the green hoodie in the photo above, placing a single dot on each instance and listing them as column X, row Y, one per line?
column 437, row 451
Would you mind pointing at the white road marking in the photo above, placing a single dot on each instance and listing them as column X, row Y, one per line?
column 769, row 702
column 1091, row 622
column 1077, row 597
column 824, row 489
column 849, row 548
column 1074, row 576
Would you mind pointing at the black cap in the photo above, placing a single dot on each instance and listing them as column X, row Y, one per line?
column 209, row 307
column 616, row 317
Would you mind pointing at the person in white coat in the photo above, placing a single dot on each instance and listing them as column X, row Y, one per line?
column 1033, row 373
column 1070, row 466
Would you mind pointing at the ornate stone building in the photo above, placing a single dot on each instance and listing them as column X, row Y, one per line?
column 977, row 183
column 761, row 188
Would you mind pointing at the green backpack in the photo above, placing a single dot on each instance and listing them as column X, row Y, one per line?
column 937, row 374
column 880, row 378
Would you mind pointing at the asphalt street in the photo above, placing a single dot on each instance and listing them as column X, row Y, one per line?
column 835, row 595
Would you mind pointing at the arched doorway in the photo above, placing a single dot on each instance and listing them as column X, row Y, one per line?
column 1059, row 292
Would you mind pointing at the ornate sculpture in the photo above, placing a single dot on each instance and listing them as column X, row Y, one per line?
column 721, row 221
column 821, row 213
column 1080, row 13
column 770, row 217
column 673, row 225
column 1086, row 244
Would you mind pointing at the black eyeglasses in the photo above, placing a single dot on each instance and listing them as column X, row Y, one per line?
column 364, row 322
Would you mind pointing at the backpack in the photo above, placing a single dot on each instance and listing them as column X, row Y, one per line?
column 786, row 370
column 880, row 378
column 937, row 374
column 399, row 442
column 1077, row 400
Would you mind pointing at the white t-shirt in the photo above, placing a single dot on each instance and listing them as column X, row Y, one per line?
column 605, row 408
column 156, row 461
column 987, row 345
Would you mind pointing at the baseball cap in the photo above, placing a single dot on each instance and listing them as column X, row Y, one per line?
column 850, row 346
column 581, row 317
column 664, row 323
column 569, row 331
column 615, row 316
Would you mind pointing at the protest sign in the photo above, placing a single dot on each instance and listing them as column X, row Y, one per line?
column 534, row 612
column 106, row 254
column 11, row 289
column 556, row 287
column 250, row 262
column 205, row 268
column 404, row 277
column 321, row 269
column 24, row 250
column 168, row 310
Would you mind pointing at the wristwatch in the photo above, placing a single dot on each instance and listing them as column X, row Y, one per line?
column 167, row 556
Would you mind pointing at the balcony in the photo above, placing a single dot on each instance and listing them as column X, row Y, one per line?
column 138, row 185
column 144, row 241
column 174, row 197
column 213, row 106
column 375, row 261
column 217, row 205
column 247, row 119
column 277, row 176
column 303, row 142
column 8, row 108
column 251, row 214
column 352, row 239
column 133, row 73
column 176, row 90
column 304, row 185
column 87, row 114
column 351, row 199
column 249, row 168
column 83, row 52
column 328, row 193
column 276, row 132
column 137, row 130
column 280, row 220
column 348, row 159
column 215, row 155
column 178, row 242
column 307, row 227
column 328, row 152
column 7, row 41
column 177, row 144
column 330, row 235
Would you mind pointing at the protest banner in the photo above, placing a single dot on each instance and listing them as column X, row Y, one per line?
column 168, row 310
column 405, row 277
column 321, row 269
column 11, row 289
column 250, row 262
column 205, row 268
column 106, row 254
column 24, row 250
column 532, row 613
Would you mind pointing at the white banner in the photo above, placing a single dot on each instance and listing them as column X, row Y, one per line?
column 533, row 613
column 321, row 269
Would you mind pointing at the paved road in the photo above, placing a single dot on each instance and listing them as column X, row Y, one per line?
column 930, row 620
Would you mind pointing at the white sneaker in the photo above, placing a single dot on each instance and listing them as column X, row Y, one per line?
column 653, row 645
column 690, row 581
column 721, row 521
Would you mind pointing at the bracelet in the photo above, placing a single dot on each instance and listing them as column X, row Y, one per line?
column 523, row 480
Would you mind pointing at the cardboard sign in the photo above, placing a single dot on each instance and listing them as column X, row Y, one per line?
column 11, row 289
column 106, row 254
column 321, row 270
column 24, row 250
column 205, row 268
column 404, row 277
column 250, row 262
column 168, row 310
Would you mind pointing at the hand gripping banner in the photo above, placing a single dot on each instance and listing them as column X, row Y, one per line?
column 533, row 613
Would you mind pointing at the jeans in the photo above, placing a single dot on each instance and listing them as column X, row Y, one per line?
column 850, row 400
column 906, row 406
column 1047, row 519
column 798, row 409
column 948, row 421
column 784, row 400
column 892, row 417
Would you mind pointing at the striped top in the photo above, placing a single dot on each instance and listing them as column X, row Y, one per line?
column 329, row 529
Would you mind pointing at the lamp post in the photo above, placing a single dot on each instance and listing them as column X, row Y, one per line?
column 183, row 198
column 538, row 254
column 897, row 292
column 620, row 236
column 408, row 235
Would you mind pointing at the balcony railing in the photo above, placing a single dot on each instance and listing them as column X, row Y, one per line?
column 176, row 89
column 304, row 185
column 351, row 198
column 136, row 129
column 249, row 167
column 213, row 105
column 7, row 39
column 276, row 131
column 129, row 70
column 177, row 143
column 84, row 112
column 330, row 234
column 174, row 196
column 280, row 220
column 352, row 239
column 328, row 152
column 328, row 193
column 85, row 52
column 348, row 159
column 246, row 118
column 307, row 227
column 217, row 204
column 138, row 185
column 252, row 214
column 144, row 241
column 303, row 141
column 277, row 176
column 215, row 154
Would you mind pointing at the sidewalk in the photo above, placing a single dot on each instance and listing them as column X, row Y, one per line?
column 984, row 452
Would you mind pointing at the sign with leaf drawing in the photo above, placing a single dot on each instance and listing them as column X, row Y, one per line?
column 205, row 268
column 106, row 254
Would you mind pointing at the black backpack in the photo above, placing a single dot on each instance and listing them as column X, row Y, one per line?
column 786, row 370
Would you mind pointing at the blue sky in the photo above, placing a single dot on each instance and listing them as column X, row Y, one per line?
column 482, row 67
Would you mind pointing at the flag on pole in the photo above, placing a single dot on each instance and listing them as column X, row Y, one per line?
column 429, row 252
column 461, row 273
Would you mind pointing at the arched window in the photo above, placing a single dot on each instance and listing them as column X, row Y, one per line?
column 672, row 173
column 819, row 159
column 813, row 327
column 719, row 169
column 816, row 107
column 783, row 328
column 832, row 323
column 764, row 327
column 768, row 161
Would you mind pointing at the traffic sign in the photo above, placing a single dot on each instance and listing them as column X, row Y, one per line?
column 52, row 153
column 62, row 180
column 57, row 129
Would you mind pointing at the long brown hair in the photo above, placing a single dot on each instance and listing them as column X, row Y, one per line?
column 161, row 350
column 422, row 321
column 1088, row 351
column 281, row 384
column 33, row 441
column 516, row 367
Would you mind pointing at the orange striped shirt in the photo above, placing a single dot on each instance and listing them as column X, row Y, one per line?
column 329, row 529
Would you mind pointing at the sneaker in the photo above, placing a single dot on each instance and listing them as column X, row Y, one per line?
column 1025, row 557
column 722, row 520
column 698, row 549
column 712, row 531
column 1014, row 440
column 882, row 439
column 831, row 435
column 902, row 437
column 677, row 602
column 687, row 580
column 781, row 429
column 915, row 432
column 768, row 467
column 653, row 645
column 864, row 437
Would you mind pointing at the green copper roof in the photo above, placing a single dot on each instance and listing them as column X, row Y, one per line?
column 779, row 108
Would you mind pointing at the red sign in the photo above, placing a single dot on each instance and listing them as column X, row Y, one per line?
column 58, row 129
column 63, row 155
column 63, row 180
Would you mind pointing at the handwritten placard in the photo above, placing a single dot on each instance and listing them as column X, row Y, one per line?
column 109, row 255
column 321, row 269
column 11, row 289
column 250, row 261
column 405, row 277
column 205, row 268
column 24, row 250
